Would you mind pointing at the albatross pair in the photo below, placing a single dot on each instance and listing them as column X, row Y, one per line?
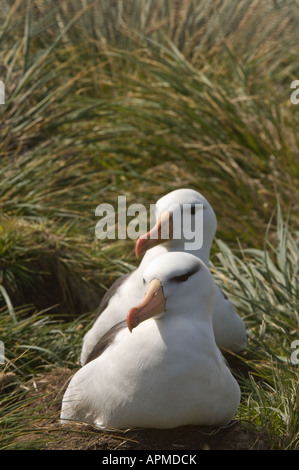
column 152, row 360
column 229, row 329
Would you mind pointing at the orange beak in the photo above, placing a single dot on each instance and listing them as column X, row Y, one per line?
column 152, row 304
column 163, row 230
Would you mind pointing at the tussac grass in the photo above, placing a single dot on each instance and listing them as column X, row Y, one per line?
column 138, row 98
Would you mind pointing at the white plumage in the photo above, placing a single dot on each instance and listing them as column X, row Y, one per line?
column 229, row 329
column 168, row 372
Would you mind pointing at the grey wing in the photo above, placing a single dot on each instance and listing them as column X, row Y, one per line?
column 105, row 341
column 110, row 293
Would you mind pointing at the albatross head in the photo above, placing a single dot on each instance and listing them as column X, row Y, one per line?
column 174, row 212
column 174, row 281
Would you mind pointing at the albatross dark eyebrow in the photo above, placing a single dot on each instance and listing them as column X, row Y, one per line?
column 185, row 277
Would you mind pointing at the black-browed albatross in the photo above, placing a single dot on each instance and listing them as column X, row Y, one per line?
column 163, row 368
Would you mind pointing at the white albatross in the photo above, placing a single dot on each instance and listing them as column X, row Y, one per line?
column 162, row 368
column 229, row 328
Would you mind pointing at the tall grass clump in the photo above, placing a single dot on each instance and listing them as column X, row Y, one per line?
column 263, row 285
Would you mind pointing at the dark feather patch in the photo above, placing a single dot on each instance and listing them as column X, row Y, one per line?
column 185, row 277
column 224, row 295
column 110, row 293
column 105, row 341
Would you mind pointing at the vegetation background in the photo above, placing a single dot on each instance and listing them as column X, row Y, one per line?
column 137, row 98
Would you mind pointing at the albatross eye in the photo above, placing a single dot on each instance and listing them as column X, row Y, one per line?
column 182, row 278
column 185, row 277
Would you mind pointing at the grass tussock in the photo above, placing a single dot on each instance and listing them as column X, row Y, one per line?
column 138, row 98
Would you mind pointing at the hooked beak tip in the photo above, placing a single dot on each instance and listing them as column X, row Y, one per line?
column 152, row 304
column 132, row 319
column 139, row 248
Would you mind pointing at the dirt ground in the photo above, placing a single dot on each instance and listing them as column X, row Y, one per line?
column 43, row 426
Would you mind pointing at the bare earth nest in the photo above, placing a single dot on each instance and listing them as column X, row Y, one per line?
column 44, row 427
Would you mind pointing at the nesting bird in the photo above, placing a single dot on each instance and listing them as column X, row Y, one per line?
column 159, row 367
column 229, row 329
